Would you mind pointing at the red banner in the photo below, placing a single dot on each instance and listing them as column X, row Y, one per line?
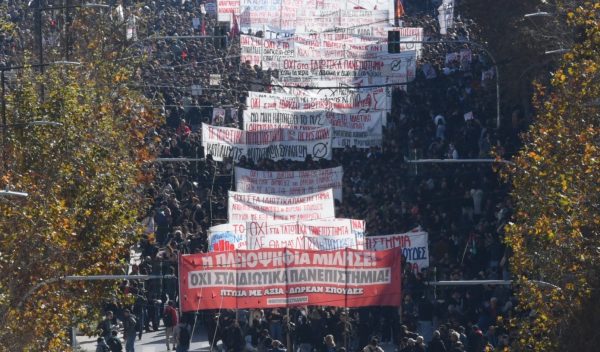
column 282, row 277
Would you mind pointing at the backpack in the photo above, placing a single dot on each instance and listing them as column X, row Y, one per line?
column 184, row 335
column 168, row 318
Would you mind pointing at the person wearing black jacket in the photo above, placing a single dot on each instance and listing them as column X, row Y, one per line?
column 436, row 344
column 233, row 338
column 114, row 343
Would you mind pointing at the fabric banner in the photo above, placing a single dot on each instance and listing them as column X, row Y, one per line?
column 269, row 278
column 396, row 68
column 228, row 6
column 243, row 207
column 270, row 52
column 226, row 237
column 342, row 100
column 446, row 16
column 414, row 246
column 324, row 234
column 276, row 144
column 349, row 130
column 229, row 237
column 289, row 183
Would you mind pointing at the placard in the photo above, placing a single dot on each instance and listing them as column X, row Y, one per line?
column 289, row 183
column 276, row 144
column 269, row 278
column 244, row 207
column 414, row 246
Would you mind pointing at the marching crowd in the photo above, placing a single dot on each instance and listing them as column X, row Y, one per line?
column 448, row 113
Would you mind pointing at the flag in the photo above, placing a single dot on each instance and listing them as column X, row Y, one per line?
column 446, row 16
column 203, row 27
column 235, row 30
column 399, row 8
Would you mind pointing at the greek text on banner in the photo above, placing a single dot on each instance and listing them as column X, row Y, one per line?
column 269, row 278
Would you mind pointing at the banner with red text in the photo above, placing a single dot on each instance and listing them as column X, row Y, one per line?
column 276, row 144
column 270, row 278
column 231, row 236
column 401, row 68
column 323, row 234
column 414, row 246
column 341, row 100
column 289, row 183
column 243, row 207
column 363, row 130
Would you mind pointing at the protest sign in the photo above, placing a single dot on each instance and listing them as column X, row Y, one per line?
column 223, row 142
column 322, row 234
column 228, row 7
column 362, row 130
column 342, row 100
column 308, row 242
column 218, row 116
column 243, row 207
column 356, row 130
column 276, row 144
column 270, row 278
column 260, row 119
column 232, row 236
column 413, row 244
column 400, row 68
column 289, row 183
column 446, row 16
column 226, row 237
column 387, row 66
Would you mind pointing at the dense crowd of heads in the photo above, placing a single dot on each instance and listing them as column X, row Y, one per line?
column 463, row 207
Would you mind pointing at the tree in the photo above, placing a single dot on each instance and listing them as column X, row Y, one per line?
column 555, row 231
column 86, row 180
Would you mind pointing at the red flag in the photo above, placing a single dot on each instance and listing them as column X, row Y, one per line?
column 235, row 30
column 399, row 8
column 203, row 27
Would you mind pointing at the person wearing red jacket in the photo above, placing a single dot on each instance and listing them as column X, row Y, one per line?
column 170, row 320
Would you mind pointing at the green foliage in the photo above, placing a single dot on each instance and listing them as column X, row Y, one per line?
column 555, row 231
column 85, row 181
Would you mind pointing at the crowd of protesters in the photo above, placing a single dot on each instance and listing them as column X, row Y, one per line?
column 463, row 207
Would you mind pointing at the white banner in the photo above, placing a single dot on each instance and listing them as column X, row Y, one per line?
column 446, row 16
column 277, row 144
column 362, row 130
column 259, row 119
column 414, row 246
column 289, row 183
column 243, row 207
column 349, row 21
column 308, row 15
column 326, row 234
column 342, row 100
column 228, row 7
column 226, row 237
column 269, row 53
column 400, row 68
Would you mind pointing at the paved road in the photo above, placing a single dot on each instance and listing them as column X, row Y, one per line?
column 151, row 342
column 155, row 342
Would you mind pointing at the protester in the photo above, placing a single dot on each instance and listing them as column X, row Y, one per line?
column 170, row 320
column 373, row 346
column 114, row 343
column 328, row 344
column 462, row 207
column 183, row 336
column 106, row 325
column 101, row 345
column 130, row 329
